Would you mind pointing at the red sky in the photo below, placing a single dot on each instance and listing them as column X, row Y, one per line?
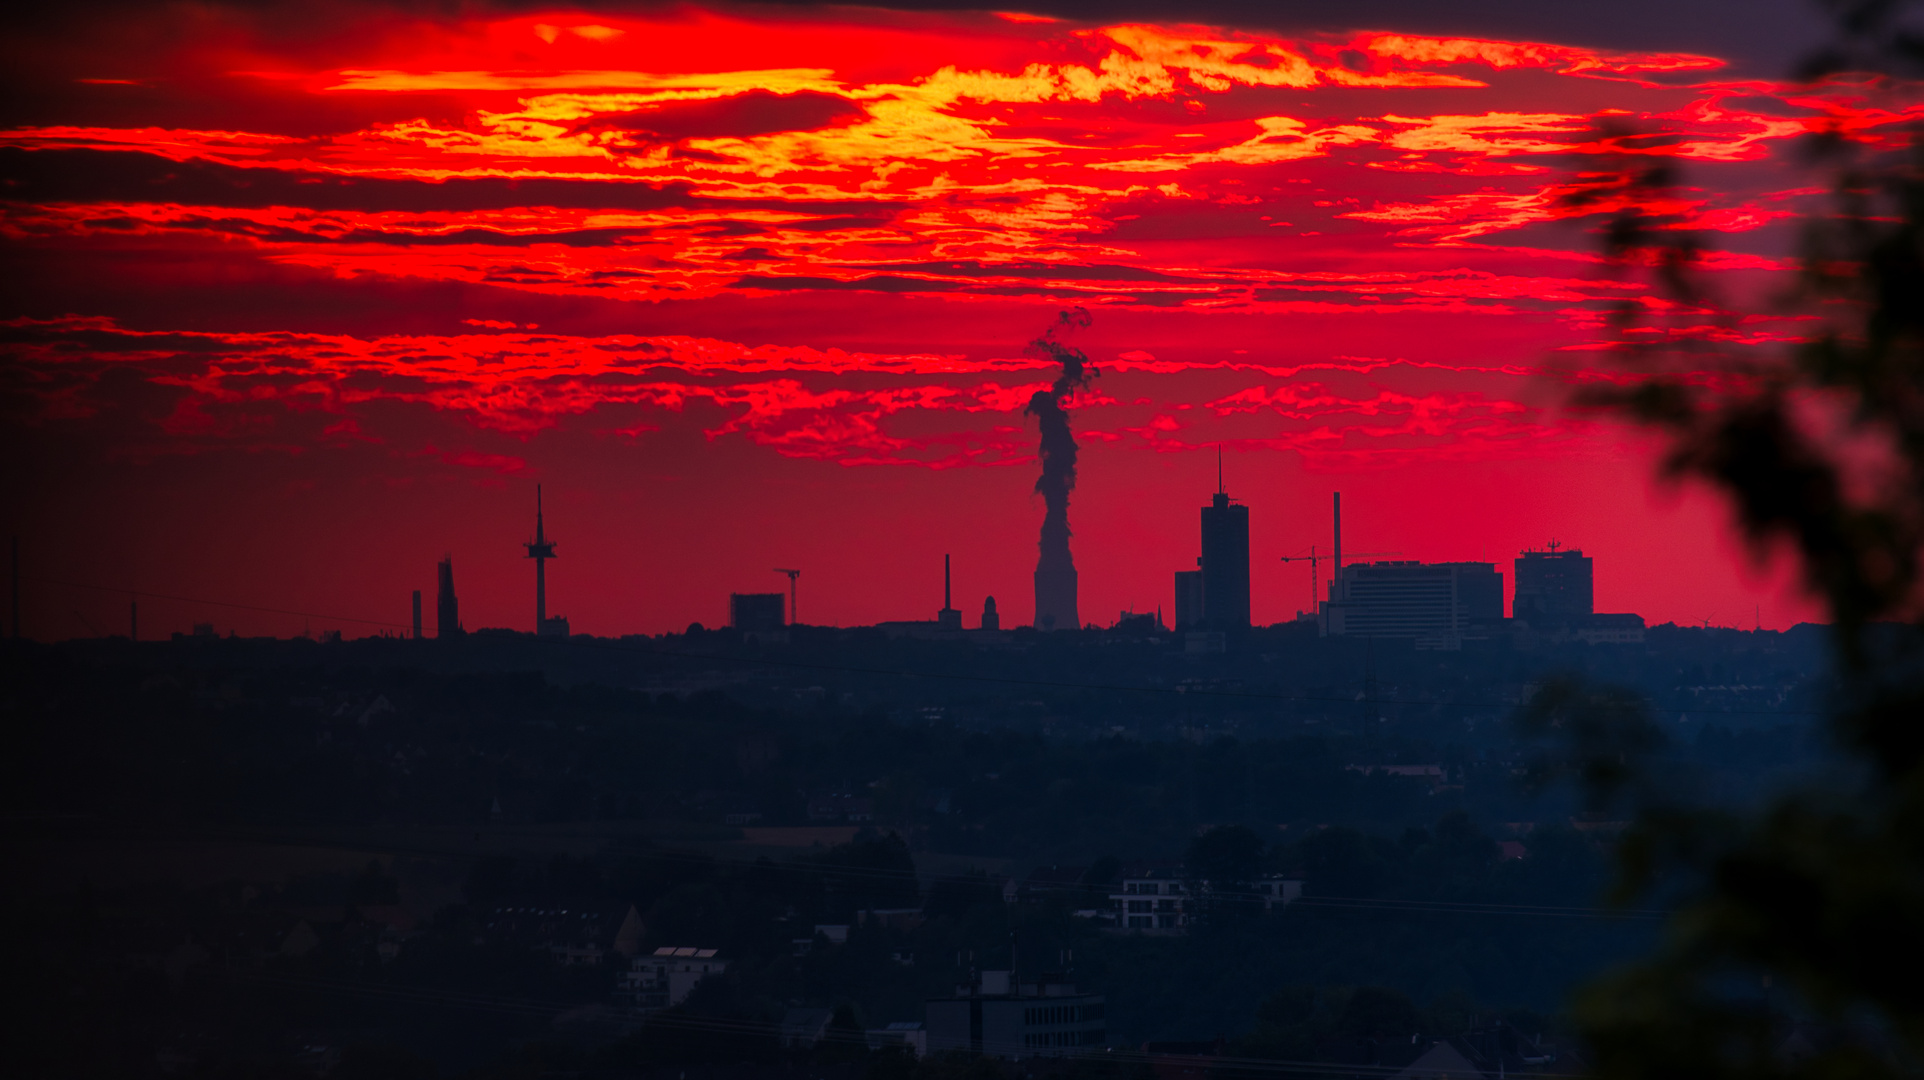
column 289, row 315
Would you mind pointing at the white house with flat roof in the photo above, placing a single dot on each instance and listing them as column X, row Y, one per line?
column 667, row 976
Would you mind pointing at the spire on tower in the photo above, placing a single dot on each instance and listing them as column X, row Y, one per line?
column 541, row 549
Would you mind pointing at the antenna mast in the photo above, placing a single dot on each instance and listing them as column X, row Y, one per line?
column 541, row 550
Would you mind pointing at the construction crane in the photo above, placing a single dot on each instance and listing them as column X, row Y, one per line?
column 792, row 575
column 1315, row 580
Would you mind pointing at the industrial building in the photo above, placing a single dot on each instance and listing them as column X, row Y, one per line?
column 950, row 617
column 999, row 1015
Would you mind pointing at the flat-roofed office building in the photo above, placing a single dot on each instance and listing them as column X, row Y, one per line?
column 1225, row 564
column 1556, row 584
column 1001, row 1016
column 1437, row 604
column 756, row 611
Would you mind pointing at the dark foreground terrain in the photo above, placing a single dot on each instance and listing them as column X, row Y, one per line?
column 399, row 858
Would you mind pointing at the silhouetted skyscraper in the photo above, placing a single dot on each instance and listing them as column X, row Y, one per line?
column 417, row 614
column 990, row 620
column 1189, row 598
column 1225, row 564
column 541, row 549
column 1554, row 584
column 447, row 610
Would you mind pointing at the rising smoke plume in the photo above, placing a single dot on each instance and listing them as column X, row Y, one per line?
column 1055, row 572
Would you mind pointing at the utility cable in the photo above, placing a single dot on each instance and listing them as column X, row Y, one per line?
column 742, row 1026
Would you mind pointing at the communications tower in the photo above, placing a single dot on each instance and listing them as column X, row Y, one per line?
column 541, row 549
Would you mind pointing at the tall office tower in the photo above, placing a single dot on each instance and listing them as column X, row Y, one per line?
column 1225, row 564
column 1554, row 584
column 447, row 610
column 417, row 614
column 948, row 618
column 990, row 620
column 1189, row 608
column 541, row 549
column 756, row 611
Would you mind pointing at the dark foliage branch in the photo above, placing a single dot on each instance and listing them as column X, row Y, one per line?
column 1787, row 953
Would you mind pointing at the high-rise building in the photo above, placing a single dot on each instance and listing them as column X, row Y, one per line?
column 756, row 611
column 1438, row 604
column 990, row 620
column 447, row 610
column 1225, row 564
column 1189, row 599
column 417, row 614
column 1554, row 584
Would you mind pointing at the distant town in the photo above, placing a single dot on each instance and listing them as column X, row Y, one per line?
column 1433, row 606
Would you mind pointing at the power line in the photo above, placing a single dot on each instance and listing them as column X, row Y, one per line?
column 741, row 1026
column 888, row 876
column 577, row 642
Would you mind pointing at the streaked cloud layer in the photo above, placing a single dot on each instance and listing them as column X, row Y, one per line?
column 825, row 236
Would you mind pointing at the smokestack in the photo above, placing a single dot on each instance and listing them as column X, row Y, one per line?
column 133, row 620
column 1055, row 572
column 1336, row 576
column 16, row 588
column 948, row 618
column 417, row 614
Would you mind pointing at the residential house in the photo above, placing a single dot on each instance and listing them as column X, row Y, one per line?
column 1159, row 900
column 667, row 976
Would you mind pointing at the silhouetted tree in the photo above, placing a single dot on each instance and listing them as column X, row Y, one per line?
column 1222, row 866
column 1784, row 957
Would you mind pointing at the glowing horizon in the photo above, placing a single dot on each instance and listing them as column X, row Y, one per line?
column 281, row 289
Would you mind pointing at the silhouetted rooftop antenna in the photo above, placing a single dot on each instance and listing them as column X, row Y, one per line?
column 793, row 619
column 1219, row 470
